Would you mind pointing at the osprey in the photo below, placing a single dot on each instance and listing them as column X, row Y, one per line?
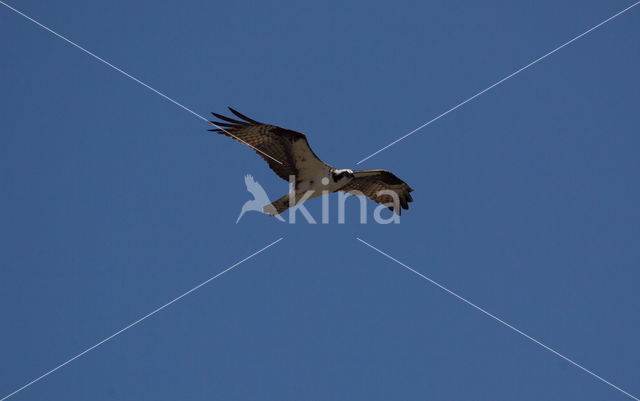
column 289, row 155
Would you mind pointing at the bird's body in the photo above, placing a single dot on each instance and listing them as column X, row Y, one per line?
column 315, row 184
column 289, row 155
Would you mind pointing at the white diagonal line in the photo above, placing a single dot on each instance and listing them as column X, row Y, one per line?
column 500, row 81
column 133, row 78
column 138, row 321
column 498, row 320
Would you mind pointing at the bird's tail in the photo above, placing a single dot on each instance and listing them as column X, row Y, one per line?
column 277, row 207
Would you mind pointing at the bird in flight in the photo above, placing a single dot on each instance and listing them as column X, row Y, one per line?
column 289, row 155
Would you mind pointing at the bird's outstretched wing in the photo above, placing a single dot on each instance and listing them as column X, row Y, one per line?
column 371, row 182
column 287, row 152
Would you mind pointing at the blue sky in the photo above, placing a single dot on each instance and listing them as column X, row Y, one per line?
column 115, row 201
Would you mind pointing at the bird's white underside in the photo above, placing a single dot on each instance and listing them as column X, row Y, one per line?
column 314, row 177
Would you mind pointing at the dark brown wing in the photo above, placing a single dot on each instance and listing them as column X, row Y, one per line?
column 371, row 182
column 277, row 146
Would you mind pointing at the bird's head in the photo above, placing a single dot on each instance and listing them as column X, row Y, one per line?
column 341, row 175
